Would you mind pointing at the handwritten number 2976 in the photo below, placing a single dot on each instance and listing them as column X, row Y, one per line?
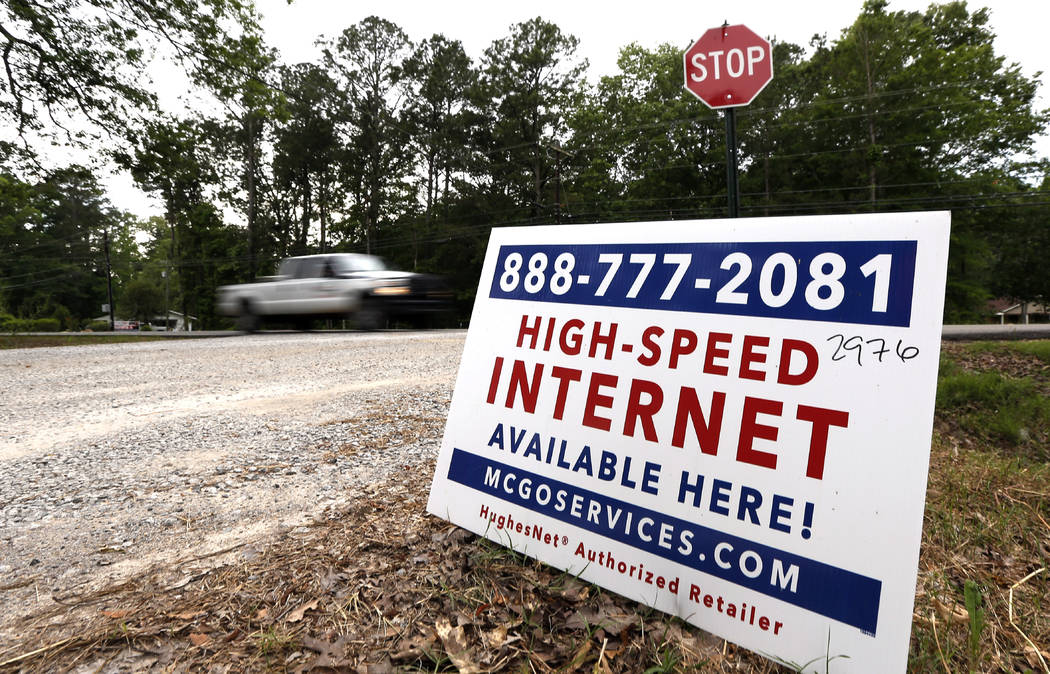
column 859, row 347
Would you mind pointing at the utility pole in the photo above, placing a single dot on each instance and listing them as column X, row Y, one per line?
column 109, row 276
column 167, row 307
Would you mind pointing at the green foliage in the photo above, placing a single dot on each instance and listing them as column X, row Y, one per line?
column 1040, row 349
column 667, row 660
column 142, row 300
column 987, row 404
column 52, row 258
column 529, row 84
column 366, row 60
column 972, row 599
column 13, row 325
column 83, row 60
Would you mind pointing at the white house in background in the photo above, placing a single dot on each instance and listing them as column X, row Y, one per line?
column 175, row 321
column 1021, row 312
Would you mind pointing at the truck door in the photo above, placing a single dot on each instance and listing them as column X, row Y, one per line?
column 308, row 288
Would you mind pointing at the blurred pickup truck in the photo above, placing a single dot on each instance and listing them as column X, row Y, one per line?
column 337, row 286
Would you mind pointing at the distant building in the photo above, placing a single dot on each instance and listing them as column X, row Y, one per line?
column 173, row 321
column 1009, row 311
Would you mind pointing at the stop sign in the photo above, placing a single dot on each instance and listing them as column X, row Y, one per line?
column 728, row 66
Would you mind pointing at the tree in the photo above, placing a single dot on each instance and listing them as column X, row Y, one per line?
column 51, row 245
column 73, row 69
column 172, row 159
column 367, row 61
column 19, row 240
column 142, row 300
column 305, row 152
column 660, row 151
column 240, row 75
column 918, row 112
column 530, row 82
column 438, row 74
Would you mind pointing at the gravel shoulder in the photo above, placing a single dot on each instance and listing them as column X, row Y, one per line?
column 118, row 457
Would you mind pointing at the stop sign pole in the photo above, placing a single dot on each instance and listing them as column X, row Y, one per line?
column 726, row 68
column 732, row 184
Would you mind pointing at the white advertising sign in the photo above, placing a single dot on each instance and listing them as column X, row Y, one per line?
column 728, row 420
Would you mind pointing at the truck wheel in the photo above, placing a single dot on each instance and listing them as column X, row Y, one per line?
column 371, row 315
column 248, row 321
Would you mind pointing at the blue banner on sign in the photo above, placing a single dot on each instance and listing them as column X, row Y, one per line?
column 836, row 593
column 861, row 282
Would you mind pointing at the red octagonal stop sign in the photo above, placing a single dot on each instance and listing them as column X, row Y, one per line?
column 728, row 66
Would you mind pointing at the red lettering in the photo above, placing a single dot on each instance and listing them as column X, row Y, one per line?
column 749, row 356
column 713, row 341
column 571, row 344
column 750, row 429
column 637, row 411
column 707, row 432
column 821, row 419
column 564, row 375
column 596, row 399
column 684, row 343
column 519, row 381
column 649, row 343
column 494, row 382
column 525, row 330
column 792, row 346
column 550, row 334
column 607, row 340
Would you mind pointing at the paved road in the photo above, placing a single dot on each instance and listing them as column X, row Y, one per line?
column 967, row 332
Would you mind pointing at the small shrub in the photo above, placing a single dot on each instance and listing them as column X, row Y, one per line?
column 98, row 326
column 45, row 325
column 14, row 325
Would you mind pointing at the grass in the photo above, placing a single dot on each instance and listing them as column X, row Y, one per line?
column 1039, row 349
column 987, row 521
column 996, row 395
column 39, row 341
column 998, row 409
column 399, row 590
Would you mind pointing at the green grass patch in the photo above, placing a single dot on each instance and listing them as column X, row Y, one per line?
column 1005, row 411
column 38, row 341
column 1039, row 349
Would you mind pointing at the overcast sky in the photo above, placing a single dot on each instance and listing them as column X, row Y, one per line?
column 603, row 28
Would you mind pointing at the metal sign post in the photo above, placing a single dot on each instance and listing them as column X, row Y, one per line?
column 726, row 68
column 732, row 185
